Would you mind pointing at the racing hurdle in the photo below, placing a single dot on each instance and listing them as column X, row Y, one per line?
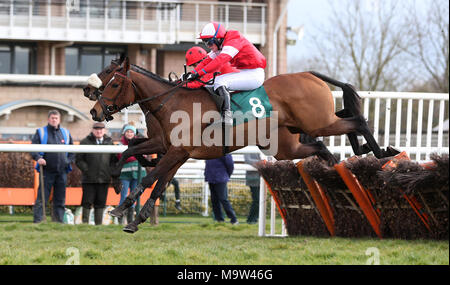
column 363, row 197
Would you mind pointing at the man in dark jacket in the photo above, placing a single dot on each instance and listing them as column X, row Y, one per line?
column 56, row 165
column 217, row 174
column 96, row 170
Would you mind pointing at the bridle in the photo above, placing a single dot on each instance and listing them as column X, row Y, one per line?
column 108, row 110
column 98, row 91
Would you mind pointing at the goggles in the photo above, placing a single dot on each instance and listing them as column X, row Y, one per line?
column 209, row 42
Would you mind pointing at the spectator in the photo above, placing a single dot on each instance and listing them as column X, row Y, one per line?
column 129, row 174
column 252, row 180
column 176, row 189
column 217, row 174
column 56, row 165
column 96, row 171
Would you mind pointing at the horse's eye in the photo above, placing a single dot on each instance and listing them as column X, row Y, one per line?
column 115, row 85
column 108, row 71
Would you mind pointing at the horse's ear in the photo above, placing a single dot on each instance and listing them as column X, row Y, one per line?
column 126, row 65
column 122, row 58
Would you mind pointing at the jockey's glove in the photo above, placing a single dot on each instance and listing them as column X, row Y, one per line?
column 190, row 76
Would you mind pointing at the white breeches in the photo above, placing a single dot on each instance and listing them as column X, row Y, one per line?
column 246, row 79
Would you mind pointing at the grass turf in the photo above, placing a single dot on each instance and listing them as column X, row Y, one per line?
column 196, row 240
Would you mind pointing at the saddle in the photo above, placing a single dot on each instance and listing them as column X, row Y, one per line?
column 255, row 100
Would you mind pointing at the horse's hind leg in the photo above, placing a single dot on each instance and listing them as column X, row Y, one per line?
column 289, row 147
column 351, row 125
column 352, row 137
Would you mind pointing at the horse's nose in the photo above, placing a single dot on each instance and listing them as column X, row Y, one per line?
column 86, row 91
column 94, row 114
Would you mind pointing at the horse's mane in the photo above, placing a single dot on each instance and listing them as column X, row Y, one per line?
column 150, row 74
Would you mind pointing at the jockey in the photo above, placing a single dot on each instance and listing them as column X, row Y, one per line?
column 230, row 46
column 194, row 56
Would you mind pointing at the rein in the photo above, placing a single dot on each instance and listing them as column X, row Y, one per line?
column 109, row 109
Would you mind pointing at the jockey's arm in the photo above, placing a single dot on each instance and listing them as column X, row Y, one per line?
column 204, row 62
column 214, row 65
column 197, row 84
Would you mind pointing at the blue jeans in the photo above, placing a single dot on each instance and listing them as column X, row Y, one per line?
column 58, row 182
column 127, row 184
column 219, row 196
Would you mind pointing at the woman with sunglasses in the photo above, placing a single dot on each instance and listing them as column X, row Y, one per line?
column 194, row 56
column 229, row 46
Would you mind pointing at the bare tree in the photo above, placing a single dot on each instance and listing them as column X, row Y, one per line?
column 430, row 48
column 365, row 45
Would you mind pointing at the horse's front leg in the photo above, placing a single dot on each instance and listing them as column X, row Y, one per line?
column 157, row 192
column 169, row 161
column 146, row 147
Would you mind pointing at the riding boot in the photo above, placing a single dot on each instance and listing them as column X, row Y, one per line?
column 98, row 216
column 130, row 215
column 85, row 215
column 227, row 116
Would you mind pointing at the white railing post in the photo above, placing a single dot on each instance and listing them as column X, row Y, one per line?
column 205, row 198
column 419, row 129
column 387, row 122
column 429, row 127
column 262, row 208
column 376, row 119
column 441, row 123
column 408, row 125
column 398, row 123
column 272, row 216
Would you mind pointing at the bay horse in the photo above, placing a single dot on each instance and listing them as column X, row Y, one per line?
column 137, row 146
column 303, row 101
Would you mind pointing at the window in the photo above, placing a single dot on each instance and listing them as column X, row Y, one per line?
column 5, row 59
column 18, row 59
column 22, row 60
column 71, row 55
column 85, row 60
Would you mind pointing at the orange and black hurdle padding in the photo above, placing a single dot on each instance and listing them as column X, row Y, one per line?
column 363, row 197
column 277, row 200
column 320, row 199
column 412, row 200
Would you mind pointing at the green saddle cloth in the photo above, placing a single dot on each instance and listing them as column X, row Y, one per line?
column 250, row 105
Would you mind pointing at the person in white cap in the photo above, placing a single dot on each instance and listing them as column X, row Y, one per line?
column 96, row 174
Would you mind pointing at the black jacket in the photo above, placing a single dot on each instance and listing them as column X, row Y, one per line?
column 56, row 161
column 95, row 167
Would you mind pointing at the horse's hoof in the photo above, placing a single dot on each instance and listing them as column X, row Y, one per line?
column 116, row 213
column 117, row 185
column 392, row 151
column 131, row 228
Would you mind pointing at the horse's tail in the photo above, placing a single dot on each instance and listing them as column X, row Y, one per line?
column 351, row 99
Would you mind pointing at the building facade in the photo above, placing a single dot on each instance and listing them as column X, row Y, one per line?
column 47, row 39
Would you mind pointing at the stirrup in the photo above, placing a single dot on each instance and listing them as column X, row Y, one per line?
column 226, row 119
